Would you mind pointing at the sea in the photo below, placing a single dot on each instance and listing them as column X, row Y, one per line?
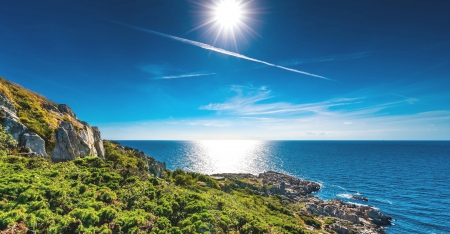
column 408, row 180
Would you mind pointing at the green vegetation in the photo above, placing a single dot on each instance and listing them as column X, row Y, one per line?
column 329, row 221
column 6, row 141
column 90, row 195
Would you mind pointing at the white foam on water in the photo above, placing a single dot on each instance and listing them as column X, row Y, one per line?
column 345, row 195
column 358, row 204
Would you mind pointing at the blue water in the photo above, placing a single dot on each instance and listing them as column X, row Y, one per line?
column 409, row 180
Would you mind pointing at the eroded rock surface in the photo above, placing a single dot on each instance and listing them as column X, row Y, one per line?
column 72, row 143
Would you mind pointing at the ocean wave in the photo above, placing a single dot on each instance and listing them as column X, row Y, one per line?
column 384, row 201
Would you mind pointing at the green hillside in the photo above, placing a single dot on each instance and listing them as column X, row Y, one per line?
column 90, row 195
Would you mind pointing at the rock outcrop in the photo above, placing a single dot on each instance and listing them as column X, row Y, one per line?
column 72, row 143
column 271, row 183
column 27, row 139
column 287, row 185
column 71, row 137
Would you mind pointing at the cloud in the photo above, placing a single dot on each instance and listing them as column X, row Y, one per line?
column 184, row 76
column 247, row 100
column 215, row 49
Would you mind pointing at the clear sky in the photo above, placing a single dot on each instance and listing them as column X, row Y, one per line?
column 291, row 69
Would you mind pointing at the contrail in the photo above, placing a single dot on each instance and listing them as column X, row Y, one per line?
column 184, row 76
column 215, row 49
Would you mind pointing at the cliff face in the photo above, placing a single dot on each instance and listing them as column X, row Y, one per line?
column 44, row 128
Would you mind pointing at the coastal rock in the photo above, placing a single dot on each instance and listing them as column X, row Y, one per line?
column 363, row 217
column 272, row 183
column 287, row 185
column 72, row 143
column 359, row 198
column 347, row 218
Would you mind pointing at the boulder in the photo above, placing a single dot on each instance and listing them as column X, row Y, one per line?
column 72, row 143
column 34, row 143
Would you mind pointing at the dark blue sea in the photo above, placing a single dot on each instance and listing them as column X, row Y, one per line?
column 409, row 180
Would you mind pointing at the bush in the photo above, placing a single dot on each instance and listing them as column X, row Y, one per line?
column 328, row 221
column 7, row 141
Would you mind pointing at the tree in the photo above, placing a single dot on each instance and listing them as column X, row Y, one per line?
column 7, row 141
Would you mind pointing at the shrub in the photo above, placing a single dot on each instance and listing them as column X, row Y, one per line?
column 7, row 141
column 328, row 221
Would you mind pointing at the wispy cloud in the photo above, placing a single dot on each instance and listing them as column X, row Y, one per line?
column 215, row 49
column 184, row 76
column 247, row 103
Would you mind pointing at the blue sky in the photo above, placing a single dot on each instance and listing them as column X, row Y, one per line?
column 149, row 70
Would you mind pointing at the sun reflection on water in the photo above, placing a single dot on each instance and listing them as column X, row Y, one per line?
column 234, row 156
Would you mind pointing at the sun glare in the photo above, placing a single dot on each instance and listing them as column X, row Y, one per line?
column 229, row 20
column 228, row 13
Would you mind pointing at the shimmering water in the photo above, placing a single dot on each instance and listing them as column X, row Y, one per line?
column 409, row 180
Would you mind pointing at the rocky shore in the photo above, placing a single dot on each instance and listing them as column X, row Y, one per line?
column 338, row 216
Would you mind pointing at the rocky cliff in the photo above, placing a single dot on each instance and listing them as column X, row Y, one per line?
column 44, row 128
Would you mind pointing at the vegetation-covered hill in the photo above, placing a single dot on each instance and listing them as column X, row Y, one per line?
column 117, row 195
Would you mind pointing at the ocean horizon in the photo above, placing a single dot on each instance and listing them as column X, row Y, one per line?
column 407, row 180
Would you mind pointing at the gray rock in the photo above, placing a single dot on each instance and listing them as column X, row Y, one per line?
column 65, row 137
column 34, row 143
column 287, row 185
column 65, row 109
column 4, row 101
column 50, row 107
column 9, row 119
column 98, row 143
column 12, row 123
column 72, row 143
column 370, row 218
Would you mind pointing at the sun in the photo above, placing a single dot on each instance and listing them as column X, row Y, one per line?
column 230, row 20
column 228, row 13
